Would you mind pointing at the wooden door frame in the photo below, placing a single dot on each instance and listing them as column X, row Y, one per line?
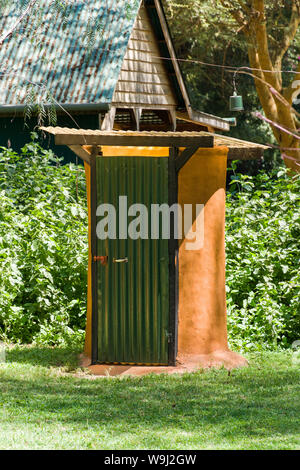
column 94, row 254
column 173, row 265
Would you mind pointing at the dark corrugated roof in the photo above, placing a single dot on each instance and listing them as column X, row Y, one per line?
column 50, row 49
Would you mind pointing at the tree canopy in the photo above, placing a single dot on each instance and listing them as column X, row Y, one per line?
column 260, row 34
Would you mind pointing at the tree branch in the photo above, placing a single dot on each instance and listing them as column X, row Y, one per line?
column 259, row 29
column 244, row 7
column 237, row 14
column 265, row 96
column 288, row 35
column 19, row 20
column 289, row 91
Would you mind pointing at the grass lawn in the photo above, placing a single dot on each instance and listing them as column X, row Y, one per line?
column 47, row 404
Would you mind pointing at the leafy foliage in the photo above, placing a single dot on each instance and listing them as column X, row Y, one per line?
column 43, row 253
column 43, row 249
column 262, row 244
column 34, row 106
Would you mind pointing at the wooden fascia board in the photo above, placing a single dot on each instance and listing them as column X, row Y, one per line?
column 245, row 153
column 134, row 141
column 203, row 119
column 172, row 53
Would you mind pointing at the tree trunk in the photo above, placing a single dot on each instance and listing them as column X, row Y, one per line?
column 275, row 100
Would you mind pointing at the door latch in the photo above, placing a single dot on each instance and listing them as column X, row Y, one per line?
column 169, row 336
column 121, row 260
column 103, row 259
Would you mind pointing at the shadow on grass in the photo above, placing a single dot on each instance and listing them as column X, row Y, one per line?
column 45, row 356
column 254, row 403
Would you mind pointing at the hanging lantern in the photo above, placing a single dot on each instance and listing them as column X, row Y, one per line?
column 236, row 102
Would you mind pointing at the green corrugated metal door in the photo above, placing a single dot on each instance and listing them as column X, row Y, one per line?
column 133, row 296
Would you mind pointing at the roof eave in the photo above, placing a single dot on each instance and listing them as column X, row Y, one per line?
column 237, row 149
column 70, row 107
column 205, row 119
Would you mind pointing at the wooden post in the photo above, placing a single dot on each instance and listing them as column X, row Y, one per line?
column 93, row 196
column 173, row 262
column 109, row 119
column 173, row 119
column 137, row 112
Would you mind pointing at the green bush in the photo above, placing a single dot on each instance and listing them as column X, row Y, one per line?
column 43, row 253
column 43, row 247
column 262, row 249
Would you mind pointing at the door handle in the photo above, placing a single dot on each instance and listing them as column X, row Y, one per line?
column 121, row 260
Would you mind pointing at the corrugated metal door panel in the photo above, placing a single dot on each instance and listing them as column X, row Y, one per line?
column 133, row 298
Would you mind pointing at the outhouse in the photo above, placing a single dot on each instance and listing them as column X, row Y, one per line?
column 152, row 300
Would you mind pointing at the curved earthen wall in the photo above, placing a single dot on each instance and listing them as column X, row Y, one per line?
column 202, row 325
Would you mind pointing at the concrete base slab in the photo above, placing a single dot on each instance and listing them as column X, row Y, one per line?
column 187, row 363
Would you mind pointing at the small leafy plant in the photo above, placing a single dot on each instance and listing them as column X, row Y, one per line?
column 262, row 247
column 43, row 247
